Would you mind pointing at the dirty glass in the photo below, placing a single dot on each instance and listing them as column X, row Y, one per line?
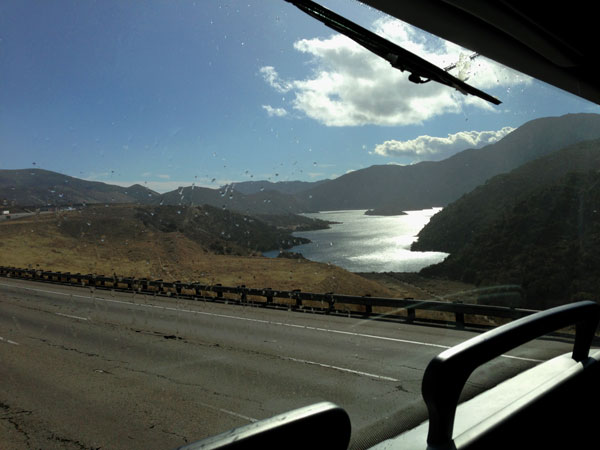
column 224, row 210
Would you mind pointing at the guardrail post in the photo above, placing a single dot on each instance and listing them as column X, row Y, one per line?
column 296, row 295
column 243, row 294
column 268, row 293
column 460, row 317
column 330, row 302
column 218, row 291
column 368, row 306
column 410, row 315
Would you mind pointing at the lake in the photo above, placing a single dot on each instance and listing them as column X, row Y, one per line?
column 361, row 243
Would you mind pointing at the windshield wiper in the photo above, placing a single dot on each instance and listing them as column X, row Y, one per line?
column 421, row 71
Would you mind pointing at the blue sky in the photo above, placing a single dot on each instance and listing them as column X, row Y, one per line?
column 170, row 93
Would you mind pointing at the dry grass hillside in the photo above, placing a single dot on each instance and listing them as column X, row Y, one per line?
column 117, row 240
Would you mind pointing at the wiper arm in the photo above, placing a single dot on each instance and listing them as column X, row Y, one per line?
column 421, row 71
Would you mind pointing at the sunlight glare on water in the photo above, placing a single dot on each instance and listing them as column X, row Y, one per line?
column 363, row 243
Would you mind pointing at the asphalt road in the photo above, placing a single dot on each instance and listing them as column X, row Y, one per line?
column 84, row 368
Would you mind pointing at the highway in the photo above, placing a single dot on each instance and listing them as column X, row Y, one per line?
column 85, row 368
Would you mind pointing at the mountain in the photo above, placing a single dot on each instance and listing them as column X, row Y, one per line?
column 38, row 187
column 285, row 187
column 266, row 202
column 537, row 226
column 454, row 226
column 384, row 189
column 429, row 184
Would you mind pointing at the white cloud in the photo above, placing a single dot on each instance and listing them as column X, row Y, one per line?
column 431, row 147
column 272, row 78
column 350, row 86
column 274, row 112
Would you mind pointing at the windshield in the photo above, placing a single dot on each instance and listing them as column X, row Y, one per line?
column 214, row 212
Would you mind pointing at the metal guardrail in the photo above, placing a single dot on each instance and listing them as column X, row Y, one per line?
column 296, row 299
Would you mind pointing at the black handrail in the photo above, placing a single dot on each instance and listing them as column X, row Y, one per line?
column 446, row 374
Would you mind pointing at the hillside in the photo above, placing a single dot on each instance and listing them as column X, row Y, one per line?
column 38, row 188
column 285, row 187
column 454, row 226
column 428, row 184
column 538, row 227
column 156, row 242
column 262, row 202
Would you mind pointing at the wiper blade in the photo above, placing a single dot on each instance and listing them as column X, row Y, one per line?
column 421, row 71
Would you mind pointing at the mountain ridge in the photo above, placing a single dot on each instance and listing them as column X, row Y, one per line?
column 537, row 226
column 383, row 189
column 40, row 187
column 430, row 184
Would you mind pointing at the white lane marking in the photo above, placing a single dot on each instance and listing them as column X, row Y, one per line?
column 342, row 369
column 226, row 411
column 8, row 341
column 70, row 316
column 269, row 322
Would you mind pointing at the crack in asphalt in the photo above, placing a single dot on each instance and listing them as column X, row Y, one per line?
column 11, row 418
column 63, row 440
column 72, row 349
